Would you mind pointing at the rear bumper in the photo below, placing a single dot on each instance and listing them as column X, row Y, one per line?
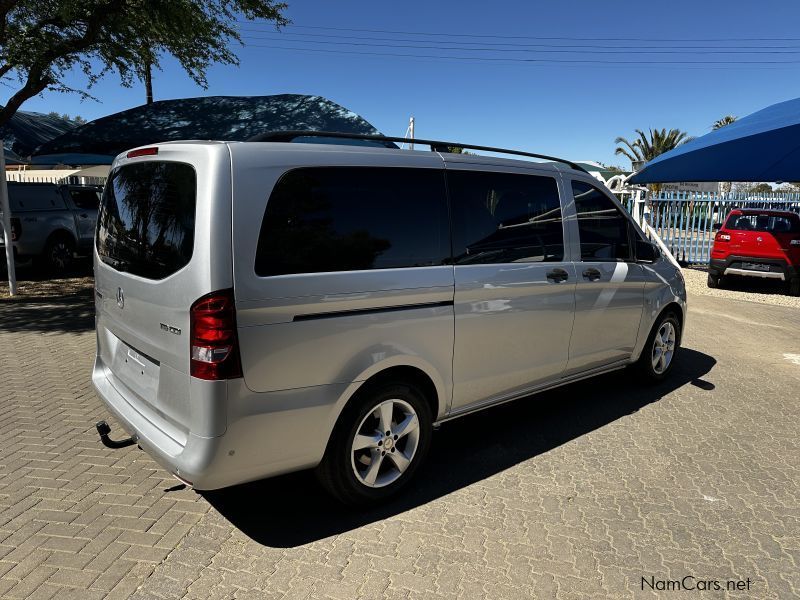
column 23, row 248
column 191, row 458
column 732, row 265
column 267, row 434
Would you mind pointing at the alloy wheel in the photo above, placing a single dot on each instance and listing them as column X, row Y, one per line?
column 663, row 347
column 385, row 443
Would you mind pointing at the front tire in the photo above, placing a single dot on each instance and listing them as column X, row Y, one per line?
column 378, row 444
column 658, row 355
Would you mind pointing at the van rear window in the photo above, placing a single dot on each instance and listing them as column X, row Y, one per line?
column 146, row 221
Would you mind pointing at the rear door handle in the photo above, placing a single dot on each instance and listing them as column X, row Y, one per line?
column 557, row 275
column 592, row 274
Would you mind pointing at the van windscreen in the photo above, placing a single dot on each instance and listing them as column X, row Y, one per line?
column 146, row 221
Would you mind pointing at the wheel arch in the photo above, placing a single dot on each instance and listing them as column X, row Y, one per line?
column 672, row 305
column 61, row 232
column 429, row 384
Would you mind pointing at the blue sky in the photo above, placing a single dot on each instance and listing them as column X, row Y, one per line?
column 570, row 109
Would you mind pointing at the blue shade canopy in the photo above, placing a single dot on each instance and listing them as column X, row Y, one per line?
column 231, row 118
column 764, row 146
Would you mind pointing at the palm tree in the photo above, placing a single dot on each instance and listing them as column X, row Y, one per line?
column 645, row 148
column 719, row 124
column 726, row 120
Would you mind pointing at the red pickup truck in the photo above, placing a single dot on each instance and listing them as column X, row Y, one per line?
column 757, row 243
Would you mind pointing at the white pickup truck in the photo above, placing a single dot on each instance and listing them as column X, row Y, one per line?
column 51, row 223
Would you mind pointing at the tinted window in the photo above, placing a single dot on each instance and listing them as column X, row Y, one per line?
column 354, row 218
column 146, row 221
column 768, row 223
column 85, row 199
column 503, row 217
column 603, row 229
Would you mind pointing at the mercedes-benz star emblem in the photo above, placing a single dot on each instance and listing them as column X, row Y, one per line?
column 120, row 298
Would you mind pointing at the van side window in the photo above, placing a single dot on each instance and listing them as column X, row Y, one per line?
column 603, row 229
column 505, row 217
column 353, row 218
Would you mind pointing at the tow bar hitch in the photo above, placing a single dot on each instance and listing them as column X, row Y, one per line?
column 104, row 429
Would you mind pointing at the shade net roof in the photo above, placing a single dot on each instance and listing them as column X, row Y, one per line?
column 229, row 118
column 25, row 131
column 764, row 146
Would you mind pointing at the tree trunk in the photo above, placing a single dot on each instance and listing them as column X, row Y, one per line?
column 148, row 82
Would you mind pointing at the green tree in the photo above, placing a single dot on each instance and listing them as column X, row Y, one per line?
column 77, row 119
column 42, row 40
column 646, row 147
column 726, row 120
column 760, row 188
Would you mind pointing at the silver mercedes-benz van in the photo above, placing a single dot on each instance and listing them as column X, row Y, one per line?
column 267, row 306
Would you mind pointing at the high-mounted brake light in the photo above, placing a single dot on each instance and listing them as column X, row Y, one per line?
column 214, row 341
column 142, row 152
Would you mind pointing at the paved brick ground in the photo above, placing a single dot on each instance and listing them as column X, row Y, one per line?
column 578, row 493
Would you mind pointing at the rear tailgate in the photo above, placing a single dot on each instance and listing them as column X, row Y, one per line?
column 762, row 235
column 163, row 240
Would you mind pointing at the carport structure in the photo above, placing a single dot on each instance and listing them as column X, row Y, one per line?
column 229, row 118
column 764, row 146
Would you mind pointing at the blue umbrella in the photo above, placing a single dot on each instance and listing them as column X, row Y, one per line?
column 764, row 146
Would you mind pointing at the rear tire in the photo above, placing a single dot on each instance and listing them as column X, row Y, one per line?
column 663, row 343
column 362, row 464
column 59, row 254
column 714, row 281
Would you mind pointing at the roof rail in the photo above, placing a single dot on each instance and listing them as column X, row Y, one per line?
column 435, row 145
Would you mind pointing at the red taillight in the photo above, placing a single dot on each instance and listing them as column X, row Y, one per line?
column 215, row 344
column 142, row 152
column 723, row 237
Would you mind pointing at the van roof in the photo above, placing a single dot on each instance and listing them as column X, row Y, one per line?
column 283, row 140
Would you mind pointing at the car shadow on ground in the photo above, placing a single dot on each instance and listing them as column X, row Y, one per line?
column 292, row 510
column 49, row 303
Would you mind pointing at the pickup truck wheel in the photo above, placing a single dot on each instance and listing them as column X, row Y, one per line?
column 377, row 445
column 59, row 254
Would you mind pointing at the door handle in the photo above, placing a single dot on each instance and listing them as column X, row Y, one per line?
column 592, row 274
column 557, row 275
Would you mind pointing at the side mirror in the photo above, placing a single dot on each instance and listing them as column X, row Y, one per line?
column 646, row 252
